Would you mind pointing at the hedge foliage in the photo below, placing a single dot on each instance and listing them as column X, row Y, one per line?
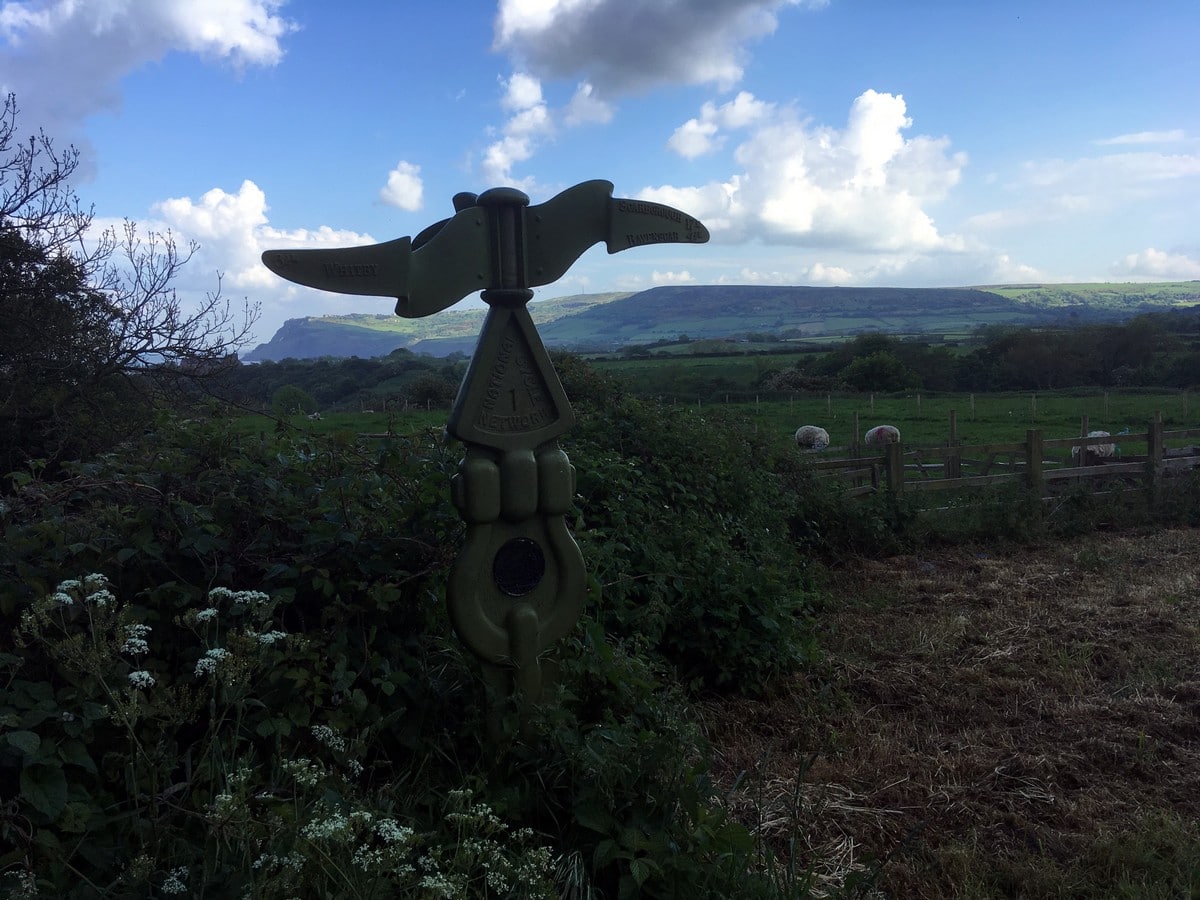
column 235, row 676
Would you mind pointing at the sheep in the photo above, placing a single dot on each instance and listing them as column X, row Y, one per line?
column 1097, row 451
column 314, row 417
column 881, row 435
column 812, row 438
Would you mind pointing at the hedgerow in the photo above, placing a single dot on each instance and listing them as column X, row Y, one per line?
column 253, row 689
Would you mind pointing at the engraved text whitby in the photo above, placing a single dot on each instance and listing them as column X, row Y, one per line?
column 343, row 270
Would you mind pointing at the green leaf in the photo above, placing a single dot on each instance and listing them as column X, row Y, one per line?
column 639, row 870
column 25, row 741
column 594, row 817
column 76, row 817
column 74, row 753
column 606, row 851
column 45, row 789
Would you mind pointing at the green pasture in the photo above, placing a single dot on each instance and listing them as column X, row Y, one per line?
column 924, row 419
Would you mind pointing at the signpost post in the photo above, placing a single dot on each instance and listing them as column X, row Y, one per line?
column 519, row 582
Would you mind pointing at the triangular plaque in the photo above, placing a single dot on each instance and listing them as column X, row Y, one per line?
column 511, row 397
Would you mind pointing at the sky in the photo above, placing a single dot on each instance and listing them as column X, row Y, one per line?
column 927, row 143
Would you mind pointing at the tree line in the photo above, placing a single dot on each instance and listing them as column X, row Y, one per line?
column 1160, row 349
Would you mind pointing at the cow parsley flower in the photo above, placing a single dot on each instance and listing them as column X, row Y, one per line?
column 101, row 597
column 329, row 737
column 135, row 639
column 141, row 679
column 205, row 614
column 176, row 881
column 207, row 664
column 271, row 637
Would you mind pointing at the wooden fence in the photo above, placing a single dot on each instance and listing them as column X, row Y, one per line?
column 1032, row 463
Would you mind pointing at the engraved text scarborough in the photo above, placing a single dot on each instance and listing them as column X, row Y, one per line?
column 691, row 232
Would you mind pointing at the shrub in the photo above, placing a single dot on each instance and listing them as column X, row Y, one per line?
column 257, row 690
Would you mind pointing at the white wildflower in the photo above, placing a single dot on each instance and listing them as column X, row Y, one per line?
column 217, row 594
column 205, row 614
column 391, row 832
column 69, row 585
column 101, row 597
column 176, row 881
column 333, row 826
column 94, row 581
column 271, row 637
column 141, row 679
column 62, row 599
column 306, row 772
column 329, row 737
column 135, row 639
column 207, row 664
column 251, row 598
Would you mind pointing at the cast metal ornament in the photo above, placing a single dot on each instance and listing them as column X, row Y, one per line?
column 519, row 582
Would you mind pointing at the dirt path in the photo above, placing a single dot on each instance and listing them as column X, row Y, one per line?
column 1015, row 723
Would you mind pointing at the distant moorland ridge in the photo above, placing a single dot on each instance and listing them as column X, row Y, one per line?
column 616, row 320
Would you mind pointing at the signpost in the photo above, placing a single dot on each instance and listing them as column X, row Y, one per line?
column 519, row 582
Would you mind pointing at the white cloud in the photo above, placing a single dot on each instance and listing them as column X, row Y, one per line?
column 404, row 188
column 521, row 92
column 529, row 123
column 698, row 136
column 1061, row 190
column 683, row 277
column 1173, row 136
column 864, row 187
column 818, row 273
column 65, row 58
column 1160, row 265
column 693, row 138
column 586, row 108
column 629, row 45
column 232, row 231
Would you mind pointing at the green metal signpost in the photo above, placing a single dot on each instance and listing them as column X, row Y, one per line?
column 519, row 583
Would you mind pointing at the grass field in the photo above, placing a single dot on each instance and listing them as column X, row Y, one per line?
column 1007, row 723
column 923, row 419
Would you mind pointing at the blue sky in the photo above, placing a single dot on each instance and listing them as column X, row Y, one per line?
column 851, row 142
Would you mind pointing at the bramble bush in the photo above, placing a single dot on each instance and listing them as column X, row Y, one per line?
column 254, row 690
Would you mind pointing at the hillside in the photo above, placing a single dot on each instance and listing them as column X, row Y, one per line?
column 611, row 321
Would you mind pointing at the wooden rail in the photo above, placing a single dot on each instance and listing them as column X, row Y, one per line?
column 898, row 468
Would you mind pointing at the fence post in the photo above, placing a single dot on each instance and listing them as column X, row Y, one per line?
column 895, row 468
column 1033, row 461
column 1154, row 458
column 1083, row 449
column 954, row 458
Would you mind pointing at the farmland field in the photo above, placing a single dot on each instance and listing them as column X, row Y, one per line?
column 1016, row 722
column 923, row 419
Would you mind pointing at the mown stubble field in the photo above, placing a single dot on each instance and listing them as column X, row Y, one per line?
column 991, row 723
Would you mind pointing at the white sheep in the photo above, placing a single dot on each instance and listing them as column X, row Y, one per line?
column 881, row 435
column 812, row 438
column 1100, row 451
column 314, row 417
